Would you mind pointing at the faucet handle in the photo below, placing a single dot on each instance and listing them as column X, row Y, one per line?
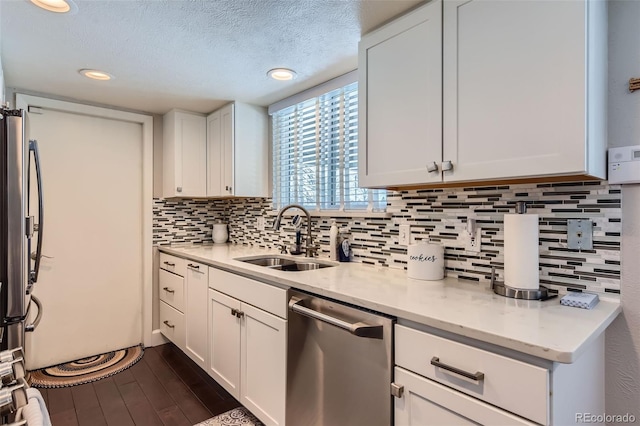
column 312, row 250
column 283, row 249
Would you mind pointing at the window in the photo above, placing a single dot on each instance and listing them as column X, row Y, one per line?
column 315, row 154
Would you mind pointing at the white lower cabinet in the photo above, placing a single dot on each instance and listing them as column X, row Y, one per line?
column 440, row 381
column 425, row 402
column 248, row 346
column 195, row 294
column 172, row 324
column 224, row 341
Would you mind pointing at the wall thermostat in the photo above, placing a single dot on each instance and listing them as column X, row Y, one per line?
column 624, row 164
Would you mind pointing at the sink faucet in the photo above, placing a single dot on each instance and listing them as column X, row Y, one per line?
column 311, row 249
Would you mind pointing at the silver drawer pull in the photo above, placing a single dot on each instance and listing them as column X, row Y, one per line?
column 166, row 322
column 169, row 263
column 195, row 268
column 477, row 376
column 168, row 290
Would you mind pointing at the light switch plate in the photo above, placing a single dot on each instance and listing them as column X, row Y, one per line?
column 404, row 235
column 580, row 234
column 260, row 223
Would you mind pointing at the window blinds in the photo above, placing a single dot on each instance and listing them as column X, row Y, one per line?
column 315, row 154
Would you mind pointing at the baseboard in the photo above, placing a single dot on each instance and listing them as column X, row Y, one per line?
column 157, row 338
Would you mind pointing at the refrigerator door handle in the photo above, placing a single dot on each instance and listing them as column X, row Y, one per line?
column 33, row 274
column 32, row 326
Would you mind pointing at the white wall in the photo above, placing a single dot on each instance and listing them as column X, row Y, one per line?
column 623, row 337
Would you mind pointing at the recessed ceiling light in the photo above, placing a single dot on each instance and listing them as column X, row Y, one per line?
column 96, row 74
column 282, row 74
column 57, row 6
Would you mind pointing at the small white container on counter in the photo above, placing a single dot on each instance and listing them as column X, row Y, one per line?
column 220, row 232
column 426, row 261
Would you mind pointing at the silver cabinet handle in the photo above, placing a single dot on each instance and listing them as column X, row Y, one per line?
column 169, row 263
column 432, row 167
column 168, row 290
column 359, row 329
column 195, row 268
column 446, row 166
column 179, row 189
column 166, row 322
column 477, row 376
column 397, row 390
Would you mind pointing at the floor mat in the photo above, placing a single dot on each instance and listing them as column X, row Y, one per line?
column 237, row 417
column 86, row 370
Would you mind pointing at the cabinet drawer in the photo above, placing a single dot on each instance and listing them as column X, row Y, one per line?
column 171, row 289
column 425, row 402
column 172, row 324
column 173, row 264
column 264, row 296
column 510, row 384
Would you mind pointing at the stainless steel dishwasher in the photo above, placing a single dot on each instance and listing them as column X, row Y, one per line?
column 339, row 364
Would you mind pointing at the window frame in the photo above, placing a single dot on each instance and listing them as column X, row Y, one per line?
column 338, row 193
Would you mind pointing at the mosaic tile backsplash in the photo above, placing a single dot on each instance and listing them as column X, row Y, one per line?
column 438, row 215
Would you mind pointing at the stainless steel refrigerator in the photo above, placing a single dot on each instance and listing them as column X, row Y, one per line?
column 21, row 228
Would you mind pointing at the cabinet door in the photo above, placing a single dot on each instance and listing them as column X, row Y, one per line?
column 196, row 286
column 514, row 88
column 425, row 402
column 227, row 130
column 400, row 100
column 264, row 366
column 214, row 155
column 184, row 151
column 224, row 342
column 251, row 143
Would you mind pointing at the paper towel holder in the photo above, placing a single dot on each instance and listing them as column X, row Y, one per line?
column 498, row 287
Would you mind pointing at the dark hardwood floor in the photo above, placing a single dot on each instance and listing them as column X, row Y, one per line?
column 164, row 388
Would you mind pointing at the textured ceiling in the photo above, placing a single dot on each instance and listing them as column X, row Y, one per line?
column 193, row 54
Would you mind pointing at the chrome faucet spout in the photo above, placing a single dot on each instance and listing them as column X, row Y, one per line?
column 311, row 249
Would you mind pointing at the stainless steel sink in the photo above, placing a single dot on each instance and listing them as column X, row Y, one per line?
column 281, row 263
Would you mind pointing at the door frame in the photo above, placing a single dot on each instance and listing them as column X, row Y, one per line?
column 149, row 336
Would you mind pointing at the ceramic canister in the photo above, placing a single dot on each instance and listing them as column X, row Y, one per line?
column 220, row 232
column 426, row 261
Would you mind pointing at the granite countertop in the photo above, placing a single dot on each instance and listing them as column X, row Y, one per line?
column 546, row 329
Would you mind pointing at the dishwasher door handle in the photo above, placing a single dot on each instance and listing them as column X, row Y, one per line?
column 359, row 329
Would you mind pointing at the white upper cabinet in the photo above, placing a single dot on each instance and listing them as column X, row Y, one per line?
column 237, row 151
column 400, row 100
column 523, row 93
column 524, row 88
column 184, row 154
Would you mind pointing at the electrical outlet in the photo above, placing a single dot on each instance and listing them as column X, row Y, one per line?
column 473, row 244
column 404, row 235
column 260, row 223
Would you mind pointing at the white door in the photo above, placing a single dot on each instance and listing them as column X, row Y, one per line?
column 264, row 365
column 400, row 100
column 224, row 341
column 91, row 280
column 196, row 289
column 514, row 94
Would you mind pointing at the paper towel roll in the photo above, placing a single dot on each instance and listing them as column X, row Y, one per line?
column 426, row 261
column 521, row 251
